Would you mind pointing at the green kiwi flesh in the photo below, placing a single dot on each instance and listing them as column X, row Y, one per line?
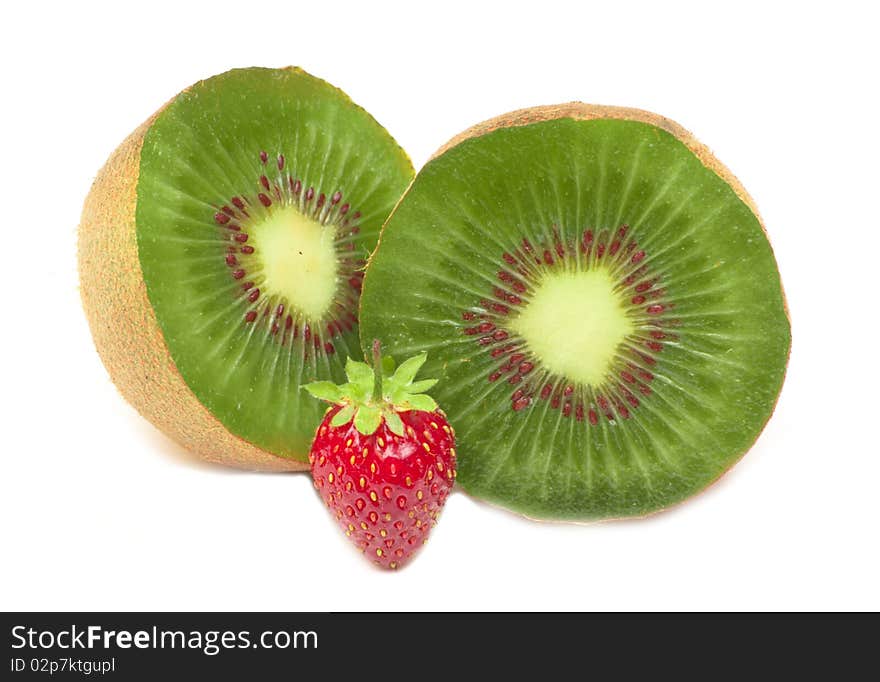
column 260, row 195
column 600, row 303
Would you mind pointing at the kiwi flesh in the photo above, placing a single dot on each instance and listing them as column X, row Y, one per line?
column 598, row 297
column 221, row 253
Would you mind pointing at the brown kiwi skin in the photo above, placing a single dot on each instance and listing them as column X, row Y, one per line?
column 580, row 111
column 124, row 326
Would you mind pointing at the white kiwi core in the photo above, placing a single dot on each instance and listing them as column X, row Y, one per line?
column 299, row 260
column 574, row 323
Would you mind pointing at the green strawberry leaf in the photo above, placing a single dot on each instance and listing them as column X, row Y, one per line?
column 325, row 390
column 393, row 421
column 369, row 398
column 357, row 393
column 359, row 373
column 367, row 419
column 421, row 402
column 396, row 395
column 421, row 386
column 408, row 370
column 343, row 416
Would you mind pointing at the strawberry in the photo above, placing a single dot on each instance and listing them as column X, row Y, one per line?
column 383, row 458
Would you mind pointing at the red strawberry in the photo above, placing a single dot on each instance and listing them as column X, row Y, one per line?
column 383, row 458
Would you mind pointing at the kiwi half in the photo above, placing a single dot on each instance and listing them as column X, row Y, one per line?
column 221, row 252
column 597, row 296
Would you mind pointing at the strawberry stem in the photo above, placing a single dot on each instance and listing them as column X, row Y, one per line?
column 377, row 371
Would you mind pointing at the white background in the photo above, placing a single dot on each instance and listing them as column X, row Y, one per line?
column 100, row 511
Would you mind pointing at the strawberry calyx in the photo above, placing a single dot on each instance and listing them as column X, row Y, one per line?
column 377, row 393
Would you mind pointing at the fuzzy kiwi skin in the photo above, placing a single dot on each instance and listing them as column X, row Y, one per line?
column 124, row 326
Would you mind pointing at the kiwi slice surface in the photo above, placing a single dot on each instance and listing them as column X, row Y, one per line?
column 259, row 195
column 600, row 302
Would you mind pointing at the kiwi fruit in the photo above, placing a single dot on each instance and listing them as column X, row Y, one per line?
column 221, row 255
column 598, row 297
